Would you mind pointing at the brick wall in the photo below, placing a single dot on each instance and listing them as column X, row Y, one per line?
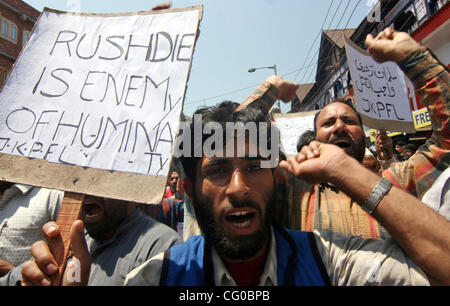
column 22, row 23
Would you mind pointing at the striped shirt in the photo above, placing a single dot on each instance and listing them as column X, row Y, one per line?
column 431, row 80
column 309, row 207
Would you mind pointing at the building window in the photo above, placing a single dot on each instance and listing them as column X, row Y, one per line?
column 13, row 32
column 3, row 77
column 337, row 89
column 9, row 30
column 26, row 36
column 5, row 28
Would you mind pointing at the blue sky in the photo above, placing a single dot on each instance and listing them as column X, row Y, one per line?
column 236, row 35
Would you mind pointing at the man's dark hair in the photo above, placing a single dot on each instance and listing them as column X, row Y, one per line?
column 410, row 147
column 400, row 142
column 340, row 100
column 222, row 113
column 305, row 139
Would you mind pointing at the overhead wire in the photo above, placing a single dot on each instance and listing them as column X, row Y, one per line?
column 340, row 3
column 297, row 70
column 332, row 36
column 318, row 34
column 289, row 73
column 221, row 95
column 343, row 49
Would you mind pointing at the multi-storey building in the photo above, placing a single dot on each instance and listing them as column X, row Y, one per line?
column 16, row 23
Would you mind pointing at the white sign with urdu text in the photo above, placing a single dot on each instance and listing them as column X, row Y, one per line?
column 380, row 91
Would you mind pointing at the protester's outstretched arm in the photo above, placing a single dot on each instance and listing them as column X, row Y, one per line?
column 429, row 76
column 422, row 233
column 39, row 272
column 272, row 89
column 431, row 81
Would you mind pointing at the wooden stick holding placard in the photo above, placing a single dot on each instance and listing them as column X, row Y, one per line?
column 60, row 245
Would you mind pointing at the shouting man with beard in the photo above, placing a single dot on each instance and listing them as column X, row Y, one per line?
column 233, row 197
column 318, row 206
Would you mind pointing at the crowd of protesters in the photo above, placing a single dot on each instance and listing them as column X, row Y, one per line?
column 226, row 220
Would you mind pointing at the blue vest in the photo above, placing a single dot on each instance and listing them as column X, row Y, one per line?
column 190, row 263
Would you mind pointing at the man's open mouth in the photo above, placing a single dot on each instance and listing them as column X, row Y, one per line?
column 241, row 221
column 241, row 218
column 92, row 212
column 343, row 143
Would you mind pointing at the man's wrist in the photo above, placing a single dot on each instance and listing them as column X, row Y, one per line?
column 378, row 193
column 264, row 97
column 337, row 175
column 420, row 66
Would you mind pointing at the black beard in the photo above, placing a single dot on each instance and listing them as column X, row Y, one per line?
column 360, row 150
column 240, row 248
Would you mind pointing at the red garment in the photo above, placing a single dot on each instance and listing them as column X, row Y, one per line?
column 248, row 273
column 168, row 193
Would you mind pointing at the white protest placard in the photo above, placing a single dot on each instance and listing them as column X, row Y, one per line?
column 380, row 91
column 291, row 126
column 100, row 91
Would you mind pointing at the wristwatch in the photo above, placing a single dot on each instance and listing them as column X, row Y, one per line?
column 378, row 193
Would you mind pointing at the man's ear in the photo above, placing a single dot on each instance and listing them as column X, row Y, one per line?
column 188, row 187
